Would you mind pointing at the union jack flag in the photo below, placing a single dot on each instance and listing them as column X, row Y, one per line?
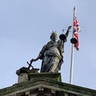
column 76, row 29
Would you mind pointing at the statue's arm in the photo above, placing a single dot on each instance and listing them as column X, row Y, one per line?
column 63, row 37
column 67, row 32
column 40, row 56
column 34, row 60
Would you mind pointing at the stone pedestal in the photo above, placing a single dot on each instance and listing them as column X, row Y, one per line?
column 24, row 74
column 45, row 76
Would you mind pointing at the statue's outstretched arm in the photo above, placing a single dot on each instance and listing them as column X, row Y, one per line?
column 40, row 56
column 63, row 37
column 68, row 30
column 32, row 60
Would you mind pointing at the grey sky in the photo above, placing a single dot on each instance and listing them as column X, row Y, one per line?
column 25, row 26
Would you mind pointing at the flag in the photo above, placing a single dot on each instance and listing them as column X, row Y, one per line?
column 76, row 30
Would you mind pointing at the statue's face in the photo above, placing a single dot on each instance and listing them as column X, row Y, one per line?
column 53, row 36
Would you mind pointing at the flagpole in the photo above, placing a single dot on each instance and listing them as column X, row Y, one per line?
column 72, row 54
column 71, row 65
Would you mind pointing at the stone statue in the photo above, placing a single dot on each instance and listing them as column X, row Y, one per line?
column 52, row 53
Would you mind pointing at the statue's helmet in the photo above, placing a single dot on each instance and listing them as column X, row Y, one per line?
column 53, row 36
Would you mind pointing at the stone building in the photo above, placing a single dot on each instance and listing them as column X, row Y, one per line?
column 33, row 83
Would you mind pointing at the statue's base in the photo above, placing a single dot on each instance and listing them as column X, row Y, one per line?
column 25, row 74
column 45, row 76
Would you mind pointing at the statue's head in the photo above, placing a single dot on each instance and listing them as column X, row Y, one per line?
column 53, row 36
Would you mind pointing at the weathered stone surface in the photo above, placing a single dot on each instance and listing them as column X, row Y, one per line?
column 52, row 53
column 23, row 74
column 48, row 81
column 45, row 76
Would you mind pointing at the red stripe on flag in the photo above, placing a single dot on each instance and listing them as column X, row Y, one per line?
column 76, row 29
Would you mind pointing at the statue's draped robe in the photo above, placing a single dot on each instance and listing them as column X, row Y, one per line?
column 51, row 55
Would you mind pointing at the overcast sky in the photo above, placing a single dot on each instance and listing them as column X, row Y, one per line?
column 26, row 25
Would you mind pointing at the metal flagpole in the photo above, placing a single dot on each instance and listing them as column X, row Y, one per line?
column 71, row 65
column 72, row 54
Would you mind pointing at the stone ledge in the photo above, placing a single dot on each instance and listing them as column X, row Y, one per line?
column 59, row 86
column 43, row 75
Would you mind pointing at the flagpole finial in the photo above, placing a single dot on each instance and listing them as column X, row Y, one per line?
column 74, row 8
